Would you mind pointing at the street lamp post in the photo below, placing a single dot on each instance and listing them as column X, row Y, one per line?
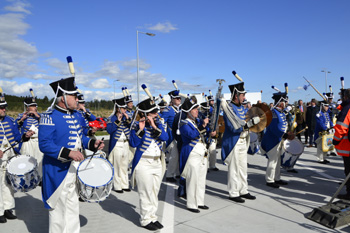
column 114, row 86
column 325, row 72
column 137, row 51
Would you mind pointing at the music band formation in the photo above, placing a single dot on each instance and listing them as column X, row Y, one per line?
column 58, row 151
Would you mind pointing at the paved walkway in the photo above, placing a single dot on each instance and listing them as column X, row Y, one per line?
column 274, row 210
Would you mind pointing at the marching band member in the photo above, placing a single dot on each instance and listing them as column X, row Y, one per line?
column 9, row 137
column 118, row 127
column 130, row 111
column 235, row 143
column 323, row 125
column 213, row 141
column 61, row 140
column 300, row 117
column 340, row 139
column 332, row 111
column 193, row 156
column 272, row 143
column 29, row 122
column 168, row 115
column 148, row 165
column 87, row 116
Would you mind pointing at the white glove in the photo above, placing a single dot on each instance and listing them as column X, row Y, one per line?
column 255, row 120
column 331, row 131
column 288, row 108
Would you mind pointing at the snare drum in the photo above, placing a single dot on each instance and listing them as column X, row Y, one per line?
column 292, row 151
column 254, row 143
column 22, row 172
column 95, row 179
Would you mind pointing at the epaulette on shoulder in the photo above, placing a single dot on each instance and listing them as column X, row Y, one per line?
column 48, row 111
column 11, row 118
column 183, row 122
column 166, row 109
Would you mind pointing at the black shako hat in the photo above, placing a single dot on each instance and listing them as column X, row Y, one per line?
column 81, row 98
column 162, row 104
column 329, row 95
column 205, row 105
column 237, row 88
column 30, row 101
column 280, row 97
column 128, row 99
column 147, row 105
column 120, row 103
column 66, row 85
column 174, row 94
column 189, row 104
column 3, row 102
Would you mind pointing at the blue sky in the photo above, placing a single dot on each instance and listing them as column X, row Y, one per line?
column 267, row 42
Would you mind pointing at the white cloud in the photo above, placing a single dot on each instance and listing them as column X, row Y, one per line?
column 18, row 6
column 100, row 83
column 163, row 27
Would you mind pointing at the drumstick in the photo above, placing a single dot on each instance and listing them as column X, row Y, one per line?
column 94, row 153
column 301, row 131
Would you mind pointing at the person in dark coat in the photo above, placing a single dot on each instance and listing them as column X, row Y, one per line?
column 311, row 121
column 301, row 111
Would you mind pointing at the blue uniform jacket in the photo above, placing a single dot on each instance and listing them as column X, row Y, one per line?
column 86, row 118
column 274, row 131
column 10, row 131
column 142, row 139
column 115, row 129
column 322, row 120
column 231, row 135
column 168, row 115
column 190, row 137
column 58, row 131
column 26, row 124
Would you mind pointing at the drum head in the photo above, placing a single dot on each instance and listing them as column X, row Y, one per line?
column 21, row 164
column 98, row 172
column 294, row 147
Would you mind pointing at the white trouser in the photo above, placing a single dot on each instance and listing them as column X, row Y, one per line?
column 31, row 148
column 195, row 173
column 131, row 154
column 319, row 153
column 212, row 154
column 237, row 183
column 148, row 175
column 7, row 200
column 119, row 158
column 64, row 217
column 273, row 170
column 173, row 165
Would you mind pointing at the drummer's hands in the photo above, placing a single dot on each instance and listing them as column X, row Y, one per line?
column 29, row 133
column 76, row 156
column 212, row 134
column 97, row 142
column 24, row 116
column 94, row 130
column 1, row 154
column 205, row 122
column 142, row 123
column 291, row 135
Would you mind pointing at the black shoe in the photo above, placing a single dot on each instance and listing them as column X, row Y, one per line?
column 9, row 215
column 344, row 196
column 127, row 190
column 333, row 154
column 237, row 199
column 119, row 191
column 3, row 219
column 214, row 169
column 324, row 161
column 281, row 182
column 292, row 171
column 248, row 196
column 203, row 207
column 171, row 179
column 151, row 226
column 40, row 183
column 177, row 177
column 158, row 225
column 193, row 210
column 273, row 185
column 81, row 199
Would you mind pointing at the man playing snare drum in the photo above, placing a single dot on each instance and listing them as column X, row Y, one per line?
column 9, row 137
column 61, row 140
column 28, row 121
